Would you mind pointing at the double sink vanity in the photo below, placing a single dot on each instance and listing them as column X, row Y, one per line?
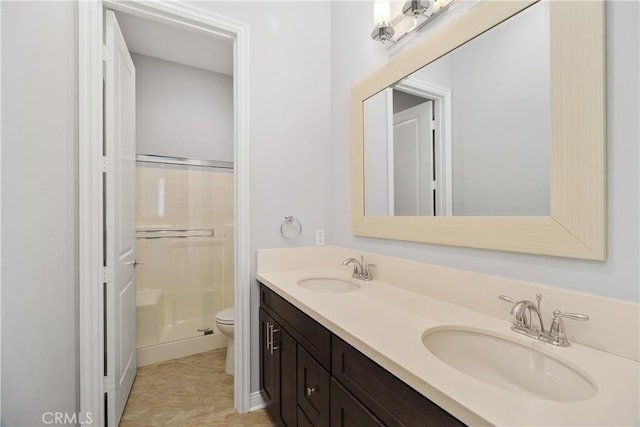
column 338, row 350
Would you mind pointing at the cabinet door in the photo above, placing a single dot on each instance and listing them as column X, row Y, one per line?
column 313, row 389
column 278, row 371
column 268, row 364
column 346, row 411
column 286, row 370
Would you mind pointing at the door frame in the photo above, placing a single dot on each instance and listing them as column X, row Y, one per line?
column 90, row 206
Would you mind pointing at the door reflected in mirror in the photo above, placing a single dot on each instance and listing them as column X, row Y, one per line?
column 468, row 134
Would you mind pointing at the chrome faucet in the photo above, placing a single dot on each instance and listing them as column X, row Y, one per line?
column 527, row 315
column 357, row 266
column 361, row 270
column 527, row 320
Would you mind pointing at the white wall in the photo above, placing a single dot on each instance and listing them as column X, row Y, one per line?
column 290, row 134
column 39, row 227
column 355, row 55
column 183, row 111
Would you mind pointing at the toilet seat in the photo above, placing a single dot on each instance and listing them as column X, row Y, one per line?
column 226, row 316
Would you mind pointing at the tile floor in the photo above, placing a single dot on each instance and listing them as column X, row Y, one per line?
column 191, row 391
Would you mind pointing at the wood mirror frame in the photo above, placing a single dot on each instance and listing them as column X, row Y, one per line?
column 576, row 227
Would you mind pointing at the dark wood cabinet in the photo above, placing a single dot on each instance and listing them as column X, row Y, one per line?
column 310, row 377
column 288, row 339
column 278, row 355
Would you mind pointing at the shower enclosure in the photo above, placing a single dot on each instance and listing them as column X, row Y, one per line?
column 184, row 240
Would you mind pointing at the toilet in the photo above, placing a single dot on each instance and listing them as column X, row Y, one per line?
column 225, row 321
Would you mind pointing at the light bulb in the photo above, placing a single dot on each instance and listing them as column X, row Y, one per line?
column 381, row 11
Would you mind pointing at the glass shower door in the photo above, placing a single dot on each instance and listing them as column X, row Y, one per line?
column 183, row 230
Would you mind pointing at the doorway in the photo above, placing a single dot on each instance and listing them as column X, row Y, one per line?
column 413, row 98
column 184, row 228
column 92, row 162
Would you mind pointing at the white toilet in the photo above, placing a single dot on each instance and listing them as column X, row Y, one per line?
column 225, row 321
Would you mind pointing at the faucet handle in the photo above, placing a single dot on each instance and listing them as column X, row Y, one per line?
column 573, row 316
column 509, row 299
column 366, row 271
column 557, row 332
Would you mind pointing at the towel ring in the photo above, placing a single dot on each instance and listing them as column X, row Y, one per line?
column 294, row 225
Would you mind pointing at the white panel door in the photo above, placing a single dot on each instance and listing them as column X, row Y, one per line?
column 413, row 176
column 120, row 150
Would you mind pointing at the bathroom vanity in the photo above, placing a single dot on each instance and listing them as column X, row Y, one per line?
column 426, row 345
column 311, row 377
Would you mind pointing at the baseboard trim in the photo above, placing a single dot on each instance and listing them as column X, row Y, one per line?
column 173, row 350
column 256, row 402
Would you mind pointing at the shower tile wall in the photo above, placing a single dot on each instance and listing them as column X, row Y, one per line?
column 194, row 274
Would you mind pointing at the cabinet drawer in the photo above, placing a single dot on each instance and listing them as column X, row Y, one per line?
column 313, row 336
column 387, row 397
column 313, row 389
column 346, row 411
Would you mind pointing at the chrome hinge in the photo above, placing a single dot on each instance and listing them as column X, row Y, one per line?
column 108, row 385
column 107, row 275
column 106, row 164
column 434, row 125
column 107, row 53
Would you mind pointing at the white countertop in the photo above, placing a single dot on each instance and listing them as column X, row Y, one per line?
column 386, row 323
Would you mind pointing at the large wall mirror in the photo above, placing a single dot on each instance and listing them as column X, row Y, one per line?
column 489, row 134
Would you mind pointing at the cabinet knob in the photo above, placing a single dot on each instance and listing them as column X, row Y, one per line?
column 311, row 390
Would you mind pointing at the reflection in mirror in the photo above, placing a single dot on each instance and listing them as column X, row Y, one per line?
column 468, row 134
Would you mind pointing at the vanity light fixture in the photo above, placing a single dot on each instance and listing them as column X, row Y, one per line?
column 382, row 31
column 416, row 8
column 421, row 12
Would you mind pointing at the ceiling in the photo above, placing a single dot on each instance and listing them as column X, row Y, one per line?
column 165, row 41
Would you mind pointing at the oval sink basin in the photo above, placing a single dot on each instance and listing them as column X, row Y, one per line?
column 328, row 284
column 508, row 364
